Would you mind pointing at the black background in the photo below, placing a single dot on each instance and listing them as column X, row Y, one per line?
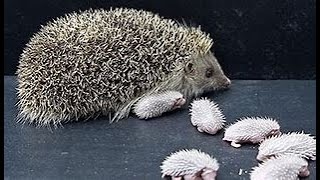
column 254, row 39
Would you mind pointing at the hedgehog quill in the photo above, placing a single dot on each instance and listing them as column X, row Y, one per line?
column 206, row 116
column 190, row 164
column 288, row 167
column 251, row 129
column 104, row 61
column 292, row 143
column 156, row 104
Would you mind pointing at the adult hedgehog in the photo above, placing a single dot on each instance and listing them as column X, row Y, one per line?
column 104, row 61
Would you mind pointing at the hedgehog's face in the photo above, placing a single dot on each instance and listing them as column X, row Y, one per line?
column 262, row 157
column 265, row 154
column 304, row 171
column 208, row 174
column 205, row 74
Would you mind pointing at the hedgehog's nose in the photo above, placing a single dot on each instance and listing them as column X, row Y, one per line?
column 260, row 158
column 305, row 173
column 226, row 83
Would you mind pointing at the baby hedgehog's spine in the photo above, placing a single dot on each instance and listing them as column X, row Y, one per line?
column 156, row 104
column 190, row 164
column 287, row 167
column 206, row 116
column 295, row 143
column 251, row 129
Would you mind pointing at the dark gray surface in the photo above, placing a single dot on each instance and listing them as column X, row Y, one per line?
column 134, row 149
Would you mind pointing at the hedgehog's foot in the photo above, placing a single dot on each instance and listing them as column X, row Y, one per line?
column 209, row 175
column 313, row 158
column 123, row 111
column 176, row 178
column 235, row 144
column 199, row 129
column 191, row 177
column 212, row 132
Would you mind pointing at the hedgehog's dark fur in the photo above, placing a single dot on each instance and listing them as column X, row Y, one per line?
column 103, row 61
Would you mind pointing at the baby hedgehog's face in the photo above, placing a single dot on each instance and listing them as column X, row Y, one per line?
column 206, row 74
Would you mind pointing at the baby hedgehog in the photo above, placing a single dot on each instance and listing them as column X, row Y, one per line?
column 295, row 143
column 251, row 129
column 190, row 165
column 156, row 104
column 207, row 116
column 287, row 167
column 103, row 61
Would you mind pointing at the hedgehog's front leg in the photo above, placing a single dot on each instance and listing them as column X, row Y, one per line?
column 191, row 177
column 156, row 104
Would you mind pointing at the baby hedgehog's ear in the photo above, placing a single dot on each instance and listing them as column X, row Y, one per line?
column 189, row 68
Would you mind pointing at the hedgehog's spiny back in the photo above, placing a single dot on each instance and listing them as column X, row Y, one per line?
column 97, row 60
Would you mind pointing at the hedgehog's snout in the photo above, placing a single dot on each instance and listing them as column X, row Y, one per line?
column 304, row 171
column 225, row 83
column 179, row 102
column 209, row 175
column 261, row 157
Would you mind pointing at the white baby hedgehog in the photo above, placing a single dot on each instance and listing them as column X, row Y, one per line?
column 156, row 104
column 251, row 129
column 295, row 143
column 206, row 116
column 190, row 164
column 287, row 167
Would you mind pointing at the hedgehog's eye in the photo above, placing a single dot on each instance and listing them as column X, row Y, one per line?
column 189, row 68
column 209, row 72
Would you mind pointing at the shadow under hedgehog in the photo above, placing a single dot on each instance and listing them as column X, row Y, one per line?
column 104, row 61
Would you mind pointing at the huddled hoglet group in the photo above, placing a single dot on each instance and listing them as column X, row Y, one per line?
column 282, row 155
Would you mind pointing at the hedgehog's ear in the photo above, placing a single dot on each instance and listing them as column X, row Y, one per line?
column 189, row 68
